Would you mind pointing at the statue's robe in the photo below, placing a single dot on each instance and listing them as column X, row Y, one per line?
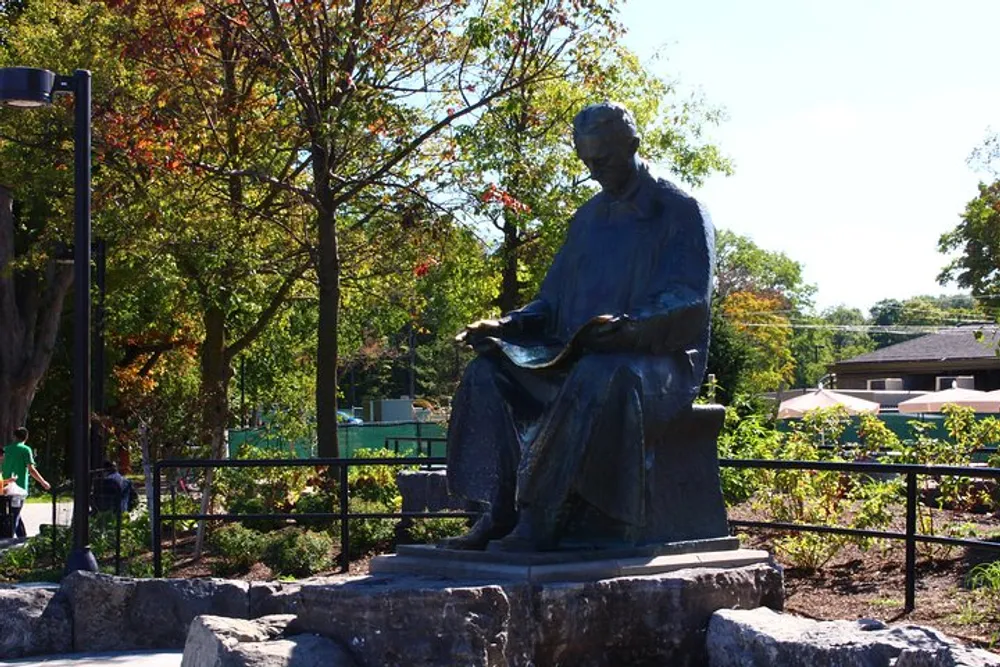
column 578, row 427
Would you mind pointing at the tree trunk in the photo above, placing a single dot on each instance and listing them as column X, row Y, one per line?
column 328, row 272
column 216, row 371
column 510, row 287
column 31, row 304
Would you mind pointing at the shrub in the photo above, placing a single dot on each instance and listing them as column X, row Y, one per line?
column 238, row 547
column 371, row 535
column 429, row 531
column 315, row 502
column 375, row 483
column 262, row 490
column 298, row 553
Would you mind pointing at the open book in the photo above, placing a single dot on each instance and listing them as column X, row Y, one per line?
column 540, row 353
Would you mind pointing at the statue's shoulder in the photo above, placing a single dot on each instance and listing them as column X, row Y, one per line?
column 678, row 206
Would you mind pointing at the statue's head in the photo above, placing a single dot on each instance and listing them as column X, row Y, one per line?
column 606, row 141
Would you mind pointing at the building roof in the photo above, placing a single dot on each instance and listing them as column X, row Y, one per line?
column 965, row 342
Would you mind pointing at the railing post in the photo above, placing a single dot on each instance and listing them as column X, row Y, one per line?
column 154, row 522
column 55, row 547
column 911, row 543
column 173, row 510
column 345, row 538
column 118, row 540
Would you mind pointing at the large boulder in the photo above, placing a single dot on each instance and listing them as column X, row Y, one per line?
column 657, row 619
column 763, row 638
column 412, row 621
column 34, row 621
column 116, row 613
column 214, row 641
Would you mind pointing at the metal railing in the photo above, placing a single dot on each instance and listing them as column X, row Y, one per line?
column 343, row 515
column 911, row 537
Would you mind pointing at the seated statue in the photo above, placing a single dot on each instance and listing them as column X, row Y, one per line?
column 549, row 419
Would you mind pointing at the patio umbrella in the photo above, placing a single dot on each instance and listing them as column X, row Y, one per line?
column 824, row 398
column 980, row 401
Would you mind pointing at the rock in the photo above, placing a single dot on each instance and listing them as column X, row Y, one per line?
column 655, row 619
column 116, row 613
column 34, row 621
column 295, row 651
column 273, row 597
column 427, row 491
column 214, row 641
column 761, row 637
column 412, row 621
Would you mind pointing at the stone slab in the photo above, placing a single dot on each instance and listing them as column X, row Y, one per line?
column 34, row 621
column 764, row 638
column 575, row 570
column 569, row 554
column 118, row 613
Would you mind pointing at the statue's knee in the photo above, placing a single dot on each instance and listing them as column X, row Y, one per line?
column 481, row 372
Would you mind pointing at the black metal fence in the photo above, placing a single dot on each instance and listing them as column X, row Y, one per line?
column 909, row 536
column 343, row 515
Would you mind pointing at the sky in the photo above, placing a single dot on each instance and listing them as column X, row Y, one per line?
column 849, row 124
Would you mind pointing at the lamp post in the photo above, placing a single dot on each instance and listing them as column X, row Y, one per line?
column 28, row 87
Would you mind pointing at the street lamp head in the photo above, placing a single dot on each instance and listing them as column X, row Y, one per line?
column 26, row 87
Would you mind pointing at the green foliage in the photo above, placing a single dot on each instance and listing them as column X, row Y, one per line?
column 261, row 490
column 313, row 503
column 298, row 553
column 238, row 548
column 430, row 531
column 372, row 535
column 376, row 483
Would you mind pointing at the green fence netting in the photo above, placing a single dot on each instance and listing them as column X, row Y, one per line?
column 398, row 436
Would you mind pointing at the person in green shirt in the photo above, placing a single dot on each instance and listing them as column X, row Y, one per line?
column 18, row 460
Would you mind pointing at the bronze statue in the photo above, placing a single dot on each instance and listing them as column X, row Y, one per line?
column 549, row 419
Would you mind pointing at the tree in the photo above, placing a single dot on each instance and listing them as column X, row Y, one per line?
column 522, row 174
column 36, row 156
column 977, row 241
column 31, row 301
column 371, row 86
column 758, row 292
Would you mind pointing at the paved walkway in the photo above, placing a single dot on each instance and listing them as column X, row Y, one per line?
column 35, row 514
column 131, row 658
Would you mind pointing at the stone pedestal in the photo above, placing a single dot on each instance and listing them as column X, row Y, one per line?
column 567, row 565
column 625, row 620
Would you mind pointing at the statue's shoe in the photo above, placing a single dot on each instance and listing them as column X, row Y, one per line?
column 486, row 529
column 534, row 532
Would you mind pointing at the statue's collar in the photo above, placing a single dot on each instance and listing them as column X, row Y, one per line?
column 636, row 194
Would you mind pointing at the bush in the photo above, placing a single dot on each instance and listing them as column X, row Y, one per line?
column 265, row 490
column 238, row 547
column 298, row 553
column 371, row 535
column 376, row 483
column 316, row 502
column 429, row 531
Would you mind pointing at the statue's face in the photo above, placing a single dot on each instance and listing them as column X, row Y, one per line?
column 610, row 159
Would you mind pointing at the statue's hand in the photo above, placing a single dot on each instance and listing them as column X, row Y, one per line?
column 476, row 333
